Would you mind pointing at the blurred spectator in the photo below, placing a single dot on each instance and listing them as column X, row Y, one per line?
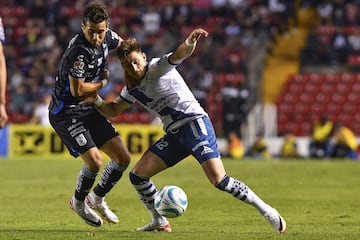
column 317, row 50
column 259, row 149
column 339, row 13
column 351, row 14
column 354, row 41
column 235, row 146
column 325, row 12
column 344, row 144
column 151, row 20
column 289, row 146
column 234, row 98
column 321, row 131
column 18, row 102
column 40, row 114
column 340, row 46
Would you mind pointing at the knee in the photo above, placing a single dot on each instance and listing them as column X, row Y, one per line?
column 123, row 158
column 95, row 164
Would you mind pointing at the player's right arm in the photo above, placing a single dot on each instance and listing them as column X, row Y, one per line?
column 111, row 109
column 187, row 48
column 81, row 89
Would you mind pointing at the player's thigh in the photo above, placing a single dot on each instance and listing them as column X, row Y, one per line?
column 170, row 149
column 74, row 134
column 101, row 128
column 149, row 165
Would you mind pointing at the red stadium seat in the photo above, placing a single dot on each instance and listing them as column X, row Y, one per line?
column 356, row 87
column 297, row 88
column 338, row 98
column 307, row 98
column 311, row 95
column 318, row 107
column 311, row 88
column 343, row 88
column 334, row 108
column 348, row 78
column 328, row 88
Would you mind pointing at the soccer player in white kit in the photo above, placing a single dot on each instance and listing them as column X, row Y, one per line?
column 159, row 87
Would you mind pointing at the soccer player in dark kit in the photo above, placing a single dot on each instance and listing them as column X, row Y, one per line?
column 80, row 126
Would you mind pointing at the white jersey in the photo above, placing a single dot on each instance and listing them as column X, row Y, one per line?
column 164, row 92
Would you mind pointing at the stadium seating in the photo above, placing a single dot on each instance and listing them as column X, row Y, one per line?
column 305, row 97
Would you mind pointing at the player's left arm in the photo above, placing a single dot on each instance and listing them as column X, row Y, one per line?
column 3, row 76
column 186, row 49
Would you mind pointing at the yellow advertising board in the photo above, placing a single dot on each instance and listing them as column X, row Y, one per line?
column 43, row 142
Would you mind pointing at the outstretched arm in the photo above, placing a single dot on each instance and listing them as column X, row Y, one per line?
column 187, row 48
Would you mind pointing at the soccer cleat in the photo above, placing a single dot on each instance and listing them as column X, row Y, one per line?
column 275, row 219
column 100, row 205
column 156, row 227
column 88, row 215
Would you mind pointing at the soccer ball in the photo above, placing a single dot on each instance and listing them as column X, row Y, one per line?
column 171, row 201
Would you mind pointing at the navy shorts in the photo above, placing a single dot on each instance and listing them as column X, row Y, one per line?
column 196, row 138
column 82, row 128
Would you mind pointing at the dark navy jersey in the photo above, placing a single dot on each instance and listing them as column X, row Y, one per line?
column 81, row 61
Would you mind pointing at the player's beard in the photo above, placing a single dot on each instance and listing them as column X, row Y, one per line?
column 95, row 44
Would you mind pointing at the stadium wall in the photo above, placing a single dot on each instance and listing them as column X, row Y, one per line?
column 35, row 141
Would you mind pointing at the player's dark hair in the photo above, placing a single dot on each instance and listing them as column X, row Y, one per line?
column 127, row 46
column 96, row 13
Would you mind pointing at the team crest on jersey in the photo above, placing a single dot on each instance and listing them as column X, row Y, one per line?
column 78, row 65
column 81, row 140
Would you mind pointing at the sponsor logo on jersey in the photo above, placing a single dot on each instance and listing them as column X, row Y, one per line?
column 206, row 150
column 78, row 66
column 99, row 61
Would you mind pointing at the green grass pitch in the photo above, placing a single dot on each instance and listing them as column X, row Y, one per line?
column 320, row 199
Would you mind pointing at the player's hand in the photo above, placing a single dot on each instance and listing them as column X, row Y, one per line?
column 3, row 116
column 106, row 74
column 196, row 34
column 105, row 78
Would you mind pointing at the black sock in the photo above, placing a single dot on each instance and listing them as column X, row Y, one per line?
column 110, row 176
column 84, row 183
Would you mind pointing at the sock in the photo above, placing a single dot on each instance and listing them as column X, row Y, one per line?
column 147, row 192
column 242, row 192
column 110, row 176
column 85, row 181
